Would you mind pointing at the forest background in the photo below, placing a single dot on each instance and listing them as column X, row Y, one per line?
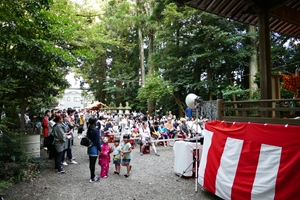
column 149, row 53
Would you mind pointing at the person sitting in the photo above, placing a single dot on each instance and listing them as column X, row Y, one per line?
column 146, row 138
column 184, row 129
column 170, row 128
column 163, row 132
column 196, row 128
column 154, row 131
column 135, row 131
column 108, row 126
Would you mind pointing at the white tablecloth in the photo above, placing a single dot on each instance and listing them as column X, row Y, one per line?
column 183, row 152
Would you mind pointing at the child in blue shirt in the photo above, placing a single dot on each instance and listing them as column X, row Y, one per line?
column 117, row 156
column 163, row 132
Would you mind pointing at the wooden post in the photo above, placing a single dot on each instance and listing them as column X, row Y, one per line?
column 264, row 58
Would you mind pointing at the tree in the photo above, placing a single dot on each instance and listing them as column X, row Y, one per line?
column 36, row 53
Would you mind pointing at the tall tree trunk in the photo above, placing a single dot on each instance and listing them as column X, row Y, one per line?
column 22, row 112
column 253, row 62
column 142, row 56
column 151, row 65
column 229, row 74
column 209, row 81
column 102, row 67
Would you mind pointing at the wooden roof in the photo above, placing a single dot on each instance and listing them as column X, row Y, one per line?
column 284, row 15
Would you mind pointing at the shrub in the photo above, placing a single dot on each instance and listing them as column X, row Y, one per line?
column 15, row 165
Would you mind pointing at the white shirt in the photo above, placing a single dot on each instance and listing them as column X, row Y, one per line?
column 190, row 124
column 197, row 128
column 145, row 132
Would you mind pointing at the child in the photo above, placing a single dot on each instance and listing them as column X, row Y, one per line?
column 104, row 158
column 163, row 132
column 126, row 154
column 135, row 131
column 117, row 156
column 116, row 128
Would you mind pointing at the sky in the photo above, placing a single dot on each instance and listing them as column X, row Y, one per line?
column 72, row 81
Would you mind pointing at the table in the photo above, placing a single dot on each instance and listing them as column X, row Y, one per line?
column 183, row 152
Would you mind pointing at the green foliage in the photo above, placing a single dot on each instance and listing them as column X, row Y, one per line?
column 242, row 94
column 155, row 89
column 15, row 166
column 197, row 51
column 37, row 49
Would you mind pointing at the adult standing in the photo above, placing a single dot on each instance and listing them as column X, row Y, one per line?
column 87, row 117
column 45, row 125
column 68, row 143
column 188, row 113
column 59, row 142
column 51, row 148
column 80, row 123
column 94, row 135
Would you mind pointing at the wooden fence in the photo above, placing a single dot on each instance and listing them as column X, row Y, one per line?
column 274, row 111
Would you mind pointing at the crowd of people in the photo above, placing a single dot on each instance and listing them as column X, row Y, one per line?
column 59, row 126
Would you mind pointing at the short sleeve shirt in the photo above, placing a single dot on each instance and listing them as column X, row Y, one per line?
column 126, row 147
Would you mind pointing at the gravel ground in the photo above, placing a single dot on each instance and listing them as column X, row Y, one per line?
column 151, row 177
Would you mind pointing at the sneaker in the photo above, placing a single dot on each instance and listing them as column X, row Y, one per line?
column 95, row 179
column 62, row 171
column 141, row 153
column 171, row 145
column 64, row 163
column 45, row 148
column 157, row 154
column 57, row 168
column 73, row 162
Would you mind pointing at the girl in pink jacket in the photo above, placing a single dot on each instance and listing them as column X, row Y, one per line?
column 104, row 158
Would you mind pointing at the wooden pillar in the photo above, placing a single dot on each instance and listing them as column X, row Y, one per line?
column 264, row 55
column 265, row 60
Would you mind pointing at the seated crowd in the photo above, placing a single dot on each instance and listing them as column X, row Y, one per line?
column 149, row 130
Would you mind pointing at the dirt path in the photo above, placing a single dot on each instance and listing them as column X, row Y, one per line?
column 152, row 177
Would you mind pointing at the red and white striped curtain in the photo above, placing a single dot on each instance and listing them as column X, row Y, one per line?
column 251, row 161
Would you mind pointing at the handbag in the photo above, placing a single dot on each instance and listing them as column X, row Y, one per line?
column 85, row 141
column 164, row 134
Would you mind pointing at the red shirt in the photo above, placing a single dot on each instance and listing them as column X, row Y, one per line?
column 45, row 124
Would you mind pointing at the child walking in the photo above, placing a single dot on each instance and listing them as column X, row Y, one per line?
column 104, row 158
column 117, row 156
column 126, row 154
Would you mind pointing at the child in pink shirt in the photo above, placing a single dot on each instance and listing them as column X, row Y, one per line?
column 104, row 158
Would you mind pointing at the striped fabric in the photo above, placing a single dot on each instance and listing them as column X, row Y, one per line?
column 251, row 161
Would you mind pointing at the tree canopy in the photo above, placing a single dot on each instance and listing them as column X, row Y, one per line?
column 144, row 52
